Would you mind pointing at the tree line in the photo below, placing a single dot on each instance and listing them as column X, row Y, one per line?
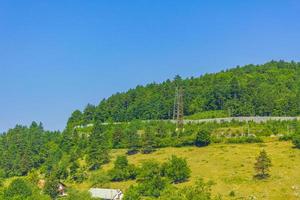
column 61, row 154
column 271, row 89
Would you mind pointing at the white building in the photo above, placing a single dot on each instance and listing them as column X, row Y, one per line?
column 106, row 194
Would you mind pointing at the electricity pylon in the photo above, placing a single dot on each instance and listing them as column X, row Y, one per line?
column 178, row 108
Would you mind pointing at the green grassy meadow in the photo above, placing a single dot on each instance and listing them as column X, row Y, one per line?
column 230, row 167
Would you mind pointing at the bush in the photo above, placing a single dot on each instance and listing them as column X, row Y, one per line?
column 21, row 189
column 296, row 140
column 151, row 182
column 99, row 179
column 122, row 170
column 232, row 193
column 33, row 177
column 18, row 189
column 79, row 176
column 77, row 195
column 184, row 141
column 132, row 193
column 51, row 187
column 250, row 139
column 176, row 169
column 203, row 138
column 286, row 137
column 199, row 191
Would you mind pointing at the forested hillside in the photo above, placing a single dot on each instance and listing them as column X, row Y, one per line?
column 264, row 90
column 78, row 154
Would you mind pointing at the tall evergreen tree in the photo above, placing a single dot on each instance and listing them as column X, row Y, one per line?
column 98, row 148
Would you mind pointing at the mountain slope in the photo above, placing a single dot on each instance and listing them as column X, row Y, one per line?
column 271, row 89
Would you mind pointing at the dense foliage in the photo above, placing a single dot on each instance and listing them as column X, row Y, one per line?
column 203, row 138
column 24, row 148
column 200, row 191
column 20, row 189
column 122, row 170
column 263, row 90
column 176, row 169
column 85, row 144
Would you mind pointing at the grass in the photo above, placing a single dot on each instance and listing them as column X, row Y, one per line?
column 208, row 114
column 230, row 167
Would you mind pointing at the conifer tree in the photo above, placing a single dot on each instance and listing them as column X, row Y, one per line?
column 148, row 141
column 262, row 165
column 98, row 148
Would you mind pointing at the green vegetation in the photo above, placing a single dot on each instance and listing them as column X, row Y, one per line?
column 200, row 191
column 138, row 154
column 262, row 165
column 209, row 114
column 51, row 187
column 20, row 189
column 271, row 89
column 97, row 150
column 176, row 169
column 296, row 140
column 203, row 138
column 122, row 170
column 151, row 182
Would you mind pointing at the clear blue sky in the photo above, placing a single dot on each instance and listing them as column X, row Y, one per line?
column 58, row 55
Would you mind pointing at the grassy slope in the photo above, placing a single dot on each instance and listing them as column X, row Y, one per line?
column 208, row 115
column 231, row 168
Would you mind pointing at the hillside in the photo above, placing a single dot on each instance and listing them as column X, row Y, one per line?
column 230, row 167
column 271, row 89
column 82, row 156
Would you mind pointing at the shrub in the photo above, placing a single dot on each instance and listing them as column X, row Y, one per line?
column 22, row 189
column 77, row 195
column 99, row 179
column 199, row 191
column 51, row 187
column 33, row 177
column 286, row 137
column 250, row 139
column 176, row 169
column 203, row 138
column 122, row 170
column 132, row 193
column 232, row 193
column 296, row 140
column 79, row 176
column 18, row 189
column 151, row 182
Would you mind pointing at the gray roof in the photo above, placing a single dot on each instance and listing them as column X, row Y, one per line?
column 104, row 193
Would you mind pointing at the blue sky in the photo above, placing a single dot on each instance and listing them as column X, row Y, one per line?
column 58, row 55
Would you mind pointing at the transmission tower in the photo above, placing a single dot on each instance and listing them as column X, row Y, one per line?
column 178, row 108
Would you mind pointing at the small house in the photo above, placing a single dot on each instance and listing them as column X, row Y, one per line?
column 61, row 189
column 106, row 194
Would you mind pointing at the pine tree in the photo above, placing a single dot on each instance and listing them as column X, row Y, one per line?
column 148, row 141
column 132, row 141
column 262, row 165
column 203, row 138
column 98, row 150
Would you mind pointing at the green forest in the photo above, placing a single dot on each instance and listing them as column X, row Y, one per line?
column 81, row 149
column 271, row 89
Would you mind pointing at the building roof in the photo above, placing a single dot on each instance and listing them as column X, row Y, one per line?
column 104, row 193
